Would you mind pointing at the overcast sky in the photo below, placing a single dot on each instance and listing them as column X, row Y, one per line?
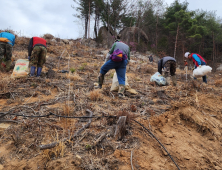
column 35, row 18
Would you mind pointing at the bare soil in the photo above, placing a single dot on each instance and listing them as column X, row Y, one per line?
column 186, row 119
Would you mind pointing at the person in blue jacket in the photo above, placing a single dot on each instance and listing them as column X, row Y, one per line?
column 7, row 41
column 198, row 60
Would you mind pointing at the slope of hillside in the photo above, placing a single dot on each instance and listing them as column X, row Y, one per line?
column 186, row 119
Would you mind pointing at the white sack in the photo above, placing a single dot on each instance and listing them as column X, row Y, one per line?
column 199, row 72
column 21, row 68
column 115, row 83
column 158, row 78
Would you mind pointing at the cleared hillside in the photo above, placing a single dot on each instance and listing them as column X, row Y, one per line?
column 186, row 119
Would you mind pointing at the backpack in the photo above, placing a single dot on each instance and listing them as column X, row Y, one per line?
column 117, row 56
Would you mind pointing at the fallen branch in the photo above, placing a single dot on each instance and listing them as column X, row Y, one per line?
column 53, row 126
column 4, row 114
column 103, row 135
column 30, row 97
column 112, row 95
column 52, row 145
column 16, row 107
column 11, row 121
column 84, row 135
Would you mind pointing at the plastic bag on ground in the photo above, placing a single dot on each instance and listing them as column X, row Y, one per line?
column 158, row 78
column 204, row 70
column 115, row 85
column 21, row 68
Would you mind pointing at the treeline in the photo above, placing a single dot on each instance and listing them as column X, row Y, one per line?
column 171, row 30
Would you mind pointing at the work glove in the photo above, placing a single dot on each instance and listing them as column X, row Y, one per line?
column 29, row 58
column 199, row 66
column 107, row 58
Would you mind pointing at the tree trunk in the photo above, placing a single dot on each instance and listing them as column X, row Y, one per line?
column 139, row 22
column 86, row 26
column 107, row 42
column 214, row 68
column 183, row 48
column 89, row 22
column 156, row 30
column 176, row 41
column 200, row 45
column 95, row 27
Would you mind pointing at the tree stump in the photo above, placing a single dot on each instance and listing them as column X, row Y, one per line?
column 120, row 128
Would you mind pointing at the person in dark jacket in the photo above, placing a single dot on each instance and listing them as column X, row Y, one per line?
column 169, row 65
column 198, row 61
column 37, row 54
column 151, row 58
column 7, row 41
column 123, row 51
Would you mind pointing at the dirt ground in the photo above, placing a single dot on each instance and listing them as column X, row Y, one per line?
column 186, row 119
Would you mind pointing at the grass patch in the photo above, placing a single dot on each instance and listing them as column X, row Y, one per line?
column 72, row 70
column 81, row 68
column 73, row 77
column 218, row 83
column 96, row 95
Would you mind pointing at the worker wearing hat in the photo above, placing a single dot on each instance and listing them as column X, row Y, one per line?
column 197, row 60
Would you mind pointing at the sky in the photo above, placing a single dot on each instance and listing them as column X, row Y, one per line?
column 38, row 17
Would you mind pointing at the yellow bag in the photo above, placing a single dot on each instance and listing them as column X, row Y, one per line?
column 4, row 39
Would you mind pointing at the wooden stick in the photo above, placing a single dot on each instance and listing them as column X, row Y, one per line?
column 102, row 136
column 53, row 144
column 4, row 114
column 11, row 121
column 131, row 159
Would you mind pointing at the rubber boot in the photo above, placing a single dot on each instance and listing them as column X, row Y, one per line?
column 174, row 80
column 32, row 71
column 100, row 81
column 205, row 79
column 121, row 91
column 167, row 81
column 8, row 65
column 39, row 70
